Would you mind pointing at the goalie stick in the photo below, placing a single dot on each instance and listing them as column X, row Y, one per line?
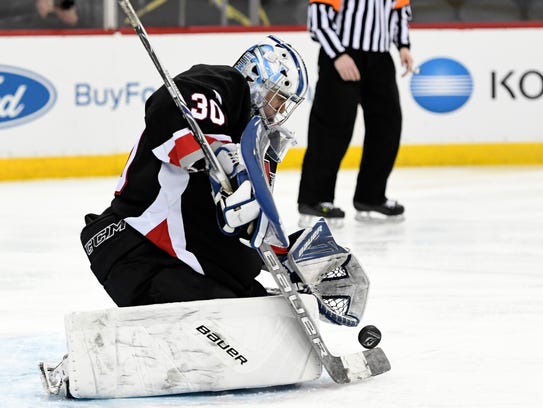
column 342, row 369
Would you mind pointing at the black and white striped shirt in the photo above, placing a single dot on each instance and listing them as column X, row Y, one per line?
column 368, row 25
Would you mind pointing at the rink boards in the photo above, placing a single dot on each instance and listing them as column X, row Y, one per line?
column 76, row 102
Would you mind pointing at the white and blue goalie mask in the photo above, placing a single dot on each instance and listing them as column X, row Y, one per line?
column 277, row 79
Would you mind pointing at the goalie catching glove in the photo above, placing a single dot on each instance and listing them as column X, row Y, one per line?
column 330, row 272
column 236, row 210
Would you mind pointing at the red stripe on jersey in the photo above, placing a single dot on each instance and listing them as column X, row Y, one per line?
column 160, row 236
column 187, row 145
column 184, row 146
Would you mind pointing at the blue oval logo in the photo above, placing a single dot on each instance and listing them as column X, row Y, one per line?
column 442, row 85
column 24, row 96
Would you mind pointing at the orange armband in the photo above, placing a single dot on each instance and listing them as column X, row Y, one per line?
column 401, row 3
column 334, row 3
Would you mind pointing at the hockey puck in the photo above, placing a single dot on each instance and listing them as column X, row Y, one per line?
column 369, row 336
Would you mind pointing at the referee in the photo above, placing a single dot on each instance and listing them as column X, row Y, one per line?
column 355, row 67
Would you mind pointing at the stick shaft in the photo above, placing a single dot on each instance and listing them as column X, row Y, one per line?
column 332, row 364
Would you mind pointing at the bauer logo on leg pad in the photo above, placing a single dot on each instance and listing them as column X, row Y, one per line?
column 215, row 338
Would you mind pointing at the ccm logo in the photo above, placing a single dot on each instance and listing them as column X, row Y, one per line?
column 215, row 338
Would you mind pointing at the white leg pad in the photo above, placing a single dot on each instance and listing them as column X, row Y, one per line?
column 185, row 347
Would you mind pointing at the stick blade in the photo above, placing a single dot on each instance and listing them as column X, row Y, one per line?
column 363, row 365
column 377, row 361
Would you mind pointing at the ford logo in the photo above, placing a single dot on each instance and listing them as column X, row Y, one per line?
column 442, row 85
column 24, row 96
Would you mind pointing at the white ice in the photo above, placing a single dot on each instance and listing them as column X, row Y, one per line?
column 456, row 289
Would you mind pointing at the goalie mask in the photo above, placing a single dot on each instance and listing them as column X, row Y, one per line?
column 277, row 79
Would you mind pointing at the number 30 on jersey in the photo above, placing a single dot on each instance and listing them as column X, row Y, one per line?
column 206, row 108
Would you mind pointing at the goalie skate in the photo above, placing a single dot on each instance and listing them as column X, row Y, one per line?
column 55, row 379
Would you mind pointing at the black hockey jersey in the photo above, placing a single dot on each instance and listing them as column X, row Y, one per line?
column 172, row 206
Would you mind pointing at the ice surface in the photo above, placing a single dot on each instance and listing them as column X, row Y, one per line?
column 456, row 289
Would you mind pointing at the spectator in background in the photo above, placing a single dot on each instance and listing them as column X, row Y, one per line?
column 37, row 14
column 65, row 10
column 355, row 67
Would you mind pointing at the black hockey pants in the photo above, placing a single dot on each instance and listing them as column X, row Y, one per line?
column 135, row 272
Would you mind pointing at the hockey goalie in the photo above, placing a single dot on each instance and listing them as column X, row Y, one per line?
column 182, row 263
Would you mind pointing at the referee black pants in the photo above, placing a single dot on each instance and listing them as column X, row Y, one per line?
column 331, row 124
